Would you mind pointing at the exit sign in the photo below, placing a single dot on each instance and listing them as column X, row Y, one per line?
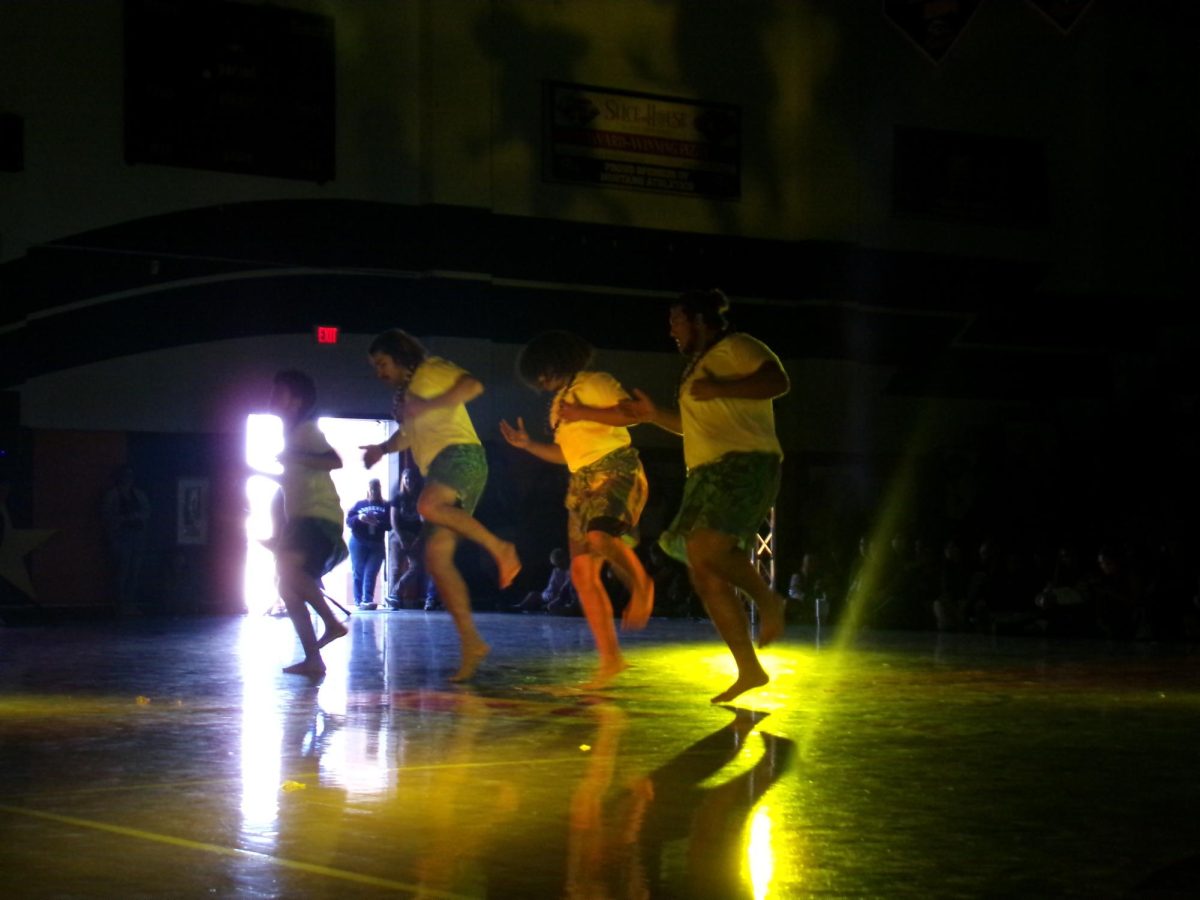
column 327, row 334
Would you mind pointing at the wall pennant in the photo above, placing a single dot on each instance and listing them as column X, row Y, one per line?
column 933, row 25
column 1063, row 13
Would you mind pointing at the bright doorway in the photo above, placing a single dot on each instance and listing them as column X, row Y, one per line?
column 264, row 442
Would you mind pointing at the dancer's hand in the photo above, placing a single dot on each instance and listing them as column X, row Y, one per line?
column 518, row 436
column 372, row 453
column 639, row 406
column 570, row 412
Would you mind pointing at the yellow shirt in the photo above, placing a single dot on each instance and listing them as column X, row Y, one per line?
column 582, row 443
column 309, row 493
column 431, row 432
column 712, row 428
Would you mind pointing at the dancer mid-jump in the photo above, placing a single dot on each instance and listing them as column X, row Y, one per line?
column 430, row 408
column 607, row 488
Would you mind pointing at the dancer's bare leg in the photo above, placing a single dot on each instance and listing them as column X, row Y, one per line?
column 438, row 506
column 597, row 609
column 299, row 591
column 721, row 556
column 629, row 570
column 728, row 616
column 452, row 589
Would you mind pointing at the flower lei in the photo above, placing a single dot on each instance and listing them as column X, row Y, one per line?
column 399, row 397
column 695, row 361
column 551, row 420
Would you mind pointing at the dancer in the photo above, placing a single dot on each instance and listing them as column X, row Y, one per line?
column 607, row 487
column 430, row 408
column 733, row 463
column 311, row 544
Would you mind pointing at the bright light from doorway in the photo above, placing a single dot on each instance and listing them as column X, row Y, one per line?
column 264, row 442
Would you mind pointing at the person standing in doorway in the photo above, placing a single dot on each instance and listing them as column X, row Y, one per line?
column 369, row 521
column 408, row 581
column 430, row 407
column 733, row 461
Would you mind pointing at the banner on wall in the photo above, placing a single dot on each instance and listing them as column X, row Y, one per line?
column 191, row 515
column 1063, row 13
column 933, row 25
column 623, row 139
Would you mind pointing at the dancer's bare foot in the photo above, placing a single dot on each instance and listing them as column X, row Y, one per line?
column 508, row 563
column 771, row 627
column 313, row 668
column 745, row 682
column 637, row 611
column 472, row 656
column 606, row 674
column 332, row 633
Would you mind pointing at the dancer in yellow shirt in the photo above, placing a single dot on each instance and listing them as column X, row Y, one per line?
column 733, row 461
column 430, row 407
column 607, row 488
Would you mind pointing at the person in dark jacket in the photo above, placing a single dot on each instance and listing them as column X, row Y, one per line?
column 369, row 521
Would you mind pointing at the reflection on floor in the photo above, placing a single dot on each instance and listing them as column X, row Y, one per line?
column 172, row 758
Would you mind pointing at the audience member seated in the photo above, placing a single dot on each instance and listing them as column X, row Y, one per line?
column 1118, row 594
column 862, row 584
column 810, row 589
column 673, row 594
column 1170, row 588
column 558, row 596
column 986, row 590
column 1065, row 602
column 1014, row 612
column 950, row 608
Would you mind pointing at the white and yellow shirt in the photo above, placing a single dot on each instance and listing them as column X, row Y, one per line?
column 309, row 493
column 582, row 443
column 712, row 428
column 431, row 432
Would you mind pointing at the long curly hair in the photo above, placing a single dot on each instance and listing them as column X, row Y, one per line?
column 554, row 354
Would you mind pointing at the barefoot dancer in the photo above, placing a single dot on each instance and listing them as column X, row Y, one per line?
column 310, row 544
column 607, row 487
column 430, row 408
column 733, row 460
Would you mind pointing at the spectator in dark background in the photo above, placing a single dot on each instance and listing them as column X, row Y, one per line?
column 408, row 583
column 1118, row 594
column 126, row 513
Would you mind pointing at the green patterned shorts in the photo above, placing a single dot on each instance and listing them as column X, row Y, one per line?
column 731, row 495
column 318, row 541
column 607, row 495
column 464, row 468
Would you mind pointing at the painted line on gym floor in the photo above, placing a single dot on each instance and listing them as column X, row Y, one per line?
column 218, row 850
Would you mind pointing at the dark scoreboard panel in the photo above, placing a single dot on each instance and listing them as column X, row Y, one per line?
column 231, row 87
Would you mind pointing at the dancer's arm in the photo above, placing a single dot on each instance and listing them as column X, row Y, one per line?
column 605, row 415
column 466, row 389
column 767, row 382
column 398, row 440
column 310, row 450
column 643, row 409
column 519, row 437
column 326, row 461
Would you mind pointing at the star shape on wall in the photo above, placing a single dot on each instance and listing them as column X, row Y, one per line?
column 15, row 545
